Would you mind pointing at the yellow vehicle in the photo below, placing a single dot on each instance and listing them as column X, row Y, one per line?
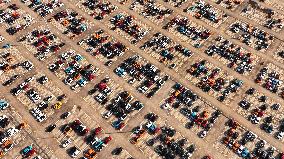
column 57, row 105
column 177, row 93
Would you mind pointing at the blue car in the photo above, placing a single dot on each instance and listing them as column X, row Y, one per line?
column 78, row 57
column 3, row 104
column 27, row 149
column 245, row 153
column 120, row 71
column 116, row 124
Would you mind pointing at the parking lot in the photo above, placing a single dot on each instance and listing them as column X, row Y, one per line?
column 127, row 79
column 188, row 31
column 103, row 47
column 13, row 65
column 18, row 134
column 264, row 16
column 15, row 19
column 163, row 49
column 211, row 80
column 237, row 141
column 154, row 136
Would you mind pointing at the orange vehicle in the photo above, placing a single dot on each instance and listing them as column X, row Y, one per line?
column 67, row 130
column 1, row 154
column 140, row 134
column 226, row 140
column 205, row 114
column 6, row 68
column 236, row 146
column 65, row 22
column 10, row 59
column 197, row 15
column 90, row 154
column 134, row 140
column 97, row 36
column 22, row 126
column 191, row 70
column 6, row 143
column 211, row 82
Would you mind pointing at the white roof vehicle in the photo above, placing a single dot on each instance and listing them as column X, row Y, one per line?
column 66, row 143
column 11, row 132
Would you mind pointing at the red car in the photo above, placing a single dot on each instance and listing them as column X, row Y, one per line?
column 102, row 86
column 107, row 139
column 282, row 155
column 30, row 153
column 98, row 130
column 75, row 123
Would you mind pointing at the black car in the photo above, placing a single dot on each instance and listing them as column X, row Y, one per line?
column 50, row 128
column 117, row 151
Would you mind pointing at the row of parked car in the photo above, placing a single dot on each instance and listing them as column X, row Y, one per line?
column 267, row 17
column 4, row 66
column 212, row 81
column 202, row 9
column 238, row 143
column 91, row 138
column 167, row 50
column 74, row 23
column 99, row 9
column 45, row 43
column 16, row 19
column 77, row 73
column 252, row 36
column 185, row 27
column 8, row 133
column 150, row 9
column 238, row 58
column 148, row 74
column 129, row 25
column 263, row 112
column 43, row 8
column 101, row 44
column 122, row 106
column 176, row 3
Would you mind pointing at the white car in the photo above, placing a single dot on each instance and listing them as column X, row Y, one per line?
column 74, row 86
column 3, row 117
column 143, row 89
column 66, row 143
column 279, row 135
column 165, row 106
column 2, row 140
column 11, row 132
column 131, row 81
column 107, row 114
column 203, row 134
column 100, row 97
column 65, row 56
column 38, row 157
column 39, row 115
column 240, row 150
column 68, row 81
